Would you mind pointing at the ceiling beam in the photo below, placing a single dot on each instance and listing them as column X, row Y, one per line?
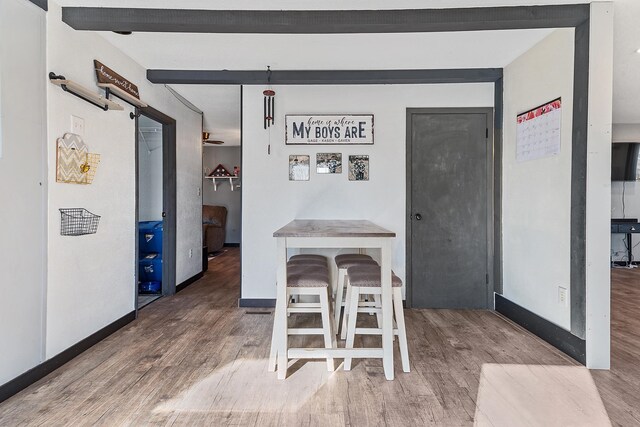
column 323, row 21
column 320, row 77
column 42, row 4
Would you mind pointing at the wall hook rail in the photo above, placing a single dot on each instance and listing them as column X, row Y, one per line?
column 83, row 93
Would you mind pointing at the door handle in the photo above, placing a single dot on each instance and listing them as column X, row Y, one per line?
column 164, row 214
column 418, row 217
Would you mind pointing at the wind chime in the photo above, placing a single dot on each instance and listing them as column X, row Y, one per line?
column 269, row 102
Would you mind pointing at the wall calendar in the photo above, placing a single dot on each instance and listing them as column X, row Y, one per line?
column 538, row 132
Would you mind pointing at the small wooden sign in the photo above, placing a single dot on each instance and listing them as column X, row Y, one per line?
column 107, row 75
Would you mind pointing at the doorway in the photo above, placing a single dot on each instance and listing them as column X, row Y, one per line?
column 155, row 206
column 450, row 208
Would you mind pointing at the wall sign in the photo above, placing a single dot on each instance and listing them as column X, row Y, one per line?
column 107, row 75
column 325, row 129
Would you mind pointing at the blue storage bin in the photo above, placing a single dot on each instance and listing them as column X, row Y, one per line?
column 150, row 237
column 150, row 268
column 150, row 287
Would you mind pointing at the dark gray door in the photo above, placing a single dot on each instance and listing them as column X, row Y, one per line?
column 449, row 157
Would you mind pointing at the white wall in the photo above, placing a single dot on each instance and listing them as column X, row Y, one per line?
column 228, row 157
column 23, row 170
column 536, row 206
column 598, row 237
column 91, row 278
column 270, row 200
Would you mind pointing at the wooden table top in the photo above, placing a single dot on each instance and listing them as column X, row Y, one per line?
column 332, row 228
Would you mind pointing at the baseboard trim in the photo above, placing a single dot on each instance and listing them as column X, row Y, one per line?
column 256, row 302
column 558, row 337
column 189, row 281
column 232, row 245
column 23, row 381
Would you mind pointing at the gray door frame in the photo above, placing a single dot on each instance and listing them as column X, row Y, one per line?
column 493, row 184
column 169, row 206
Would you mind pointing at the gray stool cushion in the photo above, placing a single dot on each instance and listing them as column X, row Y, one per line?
column 308, row 257
column 369, row 276
column 308, row 262
column 342, row 257
column 307, row 276
column 353, row 262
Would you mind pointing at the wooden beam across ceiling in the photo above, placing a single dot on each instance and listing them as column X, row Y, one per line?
column 323, row 21
column 318, row 77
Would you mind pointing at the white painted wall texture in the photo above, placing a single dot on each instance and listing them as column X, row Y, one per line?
column 536, row 206
column 91, row 278
column 598, row 274
column 270, row 200
column 23, row 171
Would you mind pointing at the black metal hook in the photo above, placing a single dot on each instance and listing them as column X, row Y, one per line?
column 136, row 114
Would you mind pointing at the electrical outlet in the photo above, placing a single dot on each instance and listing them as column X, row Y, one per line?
column 199, row 191
column 77, row 125
column 190, row 253
column 562, row 296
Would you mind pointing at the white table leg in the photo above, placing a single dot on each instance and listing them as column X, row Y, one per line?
column 387, row 309
column 280, row 322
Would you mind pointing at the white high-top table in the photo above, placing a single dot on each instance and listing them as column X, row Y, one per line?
column 339, row 234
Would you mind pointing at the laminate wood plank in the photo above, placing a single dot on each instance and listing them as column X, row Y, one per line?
column 197, row 359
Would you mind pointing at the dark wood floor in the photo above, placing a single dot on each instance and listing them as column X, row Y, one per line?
column 197, row 359
column 620, row 387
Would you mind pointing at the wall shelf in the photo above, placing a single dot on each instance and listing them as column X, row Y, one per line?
column 215, row 179
column 83, row 93
column 111, row 89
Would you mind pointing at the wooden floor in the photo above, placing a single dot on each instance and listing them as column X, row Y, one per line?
column 197, row 359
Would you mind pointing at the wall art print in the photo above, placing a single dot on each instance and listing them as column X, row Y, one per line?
column 299, row 167
column 359, row 168
column 328, row 163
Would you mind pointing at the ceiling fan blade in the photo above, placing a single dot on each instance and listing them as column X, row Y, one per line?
column 213, row 142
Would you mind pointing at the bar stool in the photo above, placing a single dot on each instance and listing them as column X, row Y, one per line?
column 343, row 262
column 308, row 260
column 307, row 279
column 365, row 279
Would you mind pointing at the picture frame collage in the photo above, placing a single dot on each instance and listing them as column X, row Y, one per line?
column 329, row 129
column 329, row 164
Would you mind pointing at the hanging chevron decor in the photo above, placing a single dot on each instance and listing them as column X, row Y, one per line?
column 75, row 165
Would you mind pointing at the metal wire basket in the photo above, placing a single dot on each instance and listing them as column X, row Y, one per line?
column 77, row 222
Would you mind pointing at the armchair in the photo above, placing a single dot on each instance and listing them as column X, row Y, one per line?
column 214, row 220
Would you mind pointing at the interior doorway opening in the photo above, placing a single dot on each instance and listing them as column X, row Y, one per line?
column 221, row 109
column 150, row 210
column 155, row 206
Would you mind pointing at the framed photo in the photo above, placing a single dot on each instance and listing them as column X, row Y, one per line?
column 298, row 168
column 359, row 168
column 328, row 129
column 329, row 162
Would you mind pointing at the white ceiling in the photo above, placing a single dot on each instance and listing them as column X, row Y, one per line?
column 221, row 107
column 381, row 51
column 478, row 49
